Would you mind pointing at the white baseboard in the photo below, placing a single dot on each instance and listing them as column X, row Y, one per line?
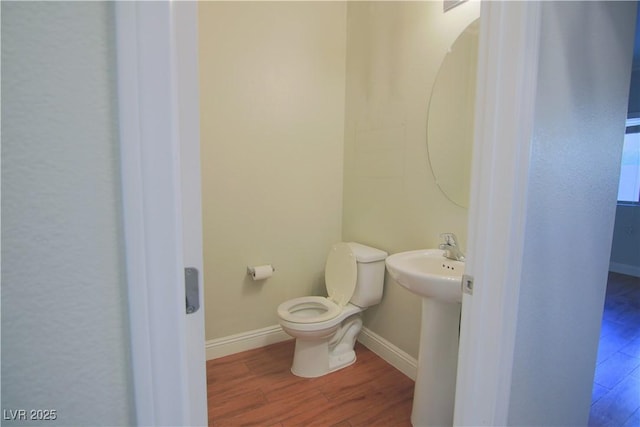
column 389, row 353
column 237, row 343
column 631, row 270
column 232, row 344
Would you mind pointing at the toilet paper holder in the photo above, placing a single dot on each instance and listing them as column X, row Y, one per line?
column 260, row 272
column 251, row 271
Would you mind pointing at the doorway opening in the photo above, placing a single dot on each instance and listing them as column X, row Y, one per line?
column 615, row 399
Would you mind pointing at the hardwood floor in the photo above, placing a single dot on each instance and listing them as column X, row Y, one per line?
column 256, row 388
column 615, row 400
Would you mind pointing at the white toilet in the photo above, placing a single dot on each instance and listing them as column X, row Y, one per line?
column 326, row 328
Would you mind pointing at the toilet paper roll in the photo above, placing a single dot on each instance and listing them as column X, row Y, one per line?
column 261, row 272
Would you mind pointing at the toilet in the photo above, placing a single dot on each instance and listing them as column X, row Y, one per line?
column 326, row 328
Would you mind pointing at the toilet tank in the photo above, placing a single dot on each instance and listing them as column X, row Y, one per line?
column 370, row 279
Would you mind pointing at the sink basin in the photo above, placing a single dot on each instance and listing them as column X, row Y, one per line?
column 426, row 272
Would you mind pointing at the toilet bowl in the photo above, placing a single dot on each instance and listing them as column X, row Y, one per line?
column 326, row 328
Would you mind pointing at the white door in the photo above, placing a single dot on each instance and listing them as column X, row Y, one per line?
column 186, row 34
column 159, row 132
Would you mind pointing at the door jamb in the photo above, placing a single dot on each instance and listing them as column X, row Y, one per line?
column 152, row 216
column 505, row 104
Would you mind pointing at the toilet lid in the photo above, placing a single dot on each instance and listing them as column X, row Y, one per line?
column 340, row 273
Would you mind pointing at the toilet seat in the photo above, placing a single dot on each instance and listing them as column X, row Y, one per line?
column 308, row 310
column 340, row 279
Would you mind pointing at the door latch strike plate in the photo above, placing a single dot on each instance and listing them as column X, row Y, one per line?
column 467, row 284
column 191, row 290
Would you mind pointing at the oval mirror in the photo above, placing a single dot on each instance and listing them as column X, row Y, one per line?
column 451, row 117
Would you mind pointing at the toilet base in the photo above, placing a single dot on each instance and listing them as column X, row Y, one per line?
column 314, row 358
column 311, row 359
column 340, row 361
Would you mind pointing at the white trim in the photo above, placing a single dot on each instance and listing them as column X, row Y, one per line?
column 632, row 121
column 258, row 338
column 389, row 353
column 244, row 341
column 133, row 212
column 507, row 76
column 151, row 181
column 187, row 112
column 628, row 269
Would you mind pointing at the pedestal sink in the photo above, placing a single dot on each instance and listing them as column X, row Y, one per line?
column 438, row 280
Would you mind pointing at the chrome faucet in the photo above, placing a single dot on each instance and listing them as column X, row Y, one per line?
column 450, row 247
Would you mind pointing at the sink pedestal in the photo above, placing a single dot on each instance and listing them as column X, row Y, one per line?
column 434, row 394
column 438, row 280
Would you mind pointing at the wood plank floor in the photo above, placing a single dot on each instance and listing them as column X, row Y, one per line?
column 615, row 400
column 256, row 388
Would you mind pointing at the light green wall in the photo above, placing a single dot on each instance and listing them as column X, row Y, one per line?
column 272, row 128
column 391, row 200
column 294, row 96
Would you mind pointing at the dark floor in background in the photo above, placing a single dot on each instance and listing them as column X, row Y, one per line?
column 615, row 398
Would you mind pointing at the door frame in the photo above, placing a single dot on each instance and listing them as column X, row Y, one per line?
column 149, row 106
column 505, row 104
column 156, row 49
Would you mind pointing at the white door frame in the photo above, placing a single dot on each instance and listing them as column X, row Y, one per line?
column 159, row 134
column 185, row 15
column 151, row 170
column 507, row 76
